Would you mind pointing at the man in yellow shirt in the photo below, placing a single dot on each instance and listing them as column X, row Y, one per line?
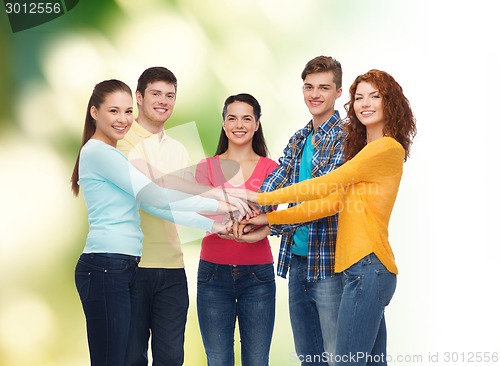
column 161, row 284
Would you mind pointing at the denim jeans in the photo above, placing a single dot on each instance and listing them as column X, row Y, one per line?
column 314, row 308
column 227, row 293
column 103, row 282
column 361, row 331
column 160, row 309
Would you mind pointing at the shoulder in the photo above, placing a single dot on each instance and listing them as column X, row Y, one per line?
column 268, row 163
column 385, row 148
column 93, row 146
column 134, row 134
column 97, row 148
column 208, row 160
column 205, row 164
column 302, row 133
column 386, row 144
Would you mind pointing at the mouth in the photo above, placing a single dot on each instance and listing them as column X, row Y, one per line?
column 120, row 128
column 161, row 110
column 315, row 103
column 239, row 133
column 367, row 113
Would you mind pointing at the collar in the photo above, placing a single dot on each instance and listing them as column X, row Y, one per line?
column 326, row 127
column 143, row 133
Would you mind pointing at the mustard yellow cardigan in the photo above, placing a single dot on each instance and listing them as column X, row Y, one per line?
column 363, row 191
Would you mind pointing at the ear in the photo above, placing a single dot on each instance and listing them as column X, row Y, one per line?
column 223, row 125
column 339, row 93
column 138, row 97
column 257, row 125
column 93, row 112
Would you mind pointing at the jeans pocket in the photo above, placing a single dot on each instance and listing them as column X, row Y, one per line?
column 386, row 286
column 117, row 266
column 204, row 275
column 82, row 282
column 264, row 274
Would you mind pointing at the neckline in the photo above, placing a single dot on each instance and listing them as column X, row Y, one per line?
column 227, row 181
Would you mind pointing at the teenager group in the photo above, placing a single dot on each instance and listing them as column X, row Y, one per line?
column 340, row 178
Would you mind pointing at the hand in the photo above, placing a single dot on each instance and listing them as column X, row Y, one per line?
column 243, row 208
column 221, row 229
column 258, row 220
column 245, row 194
column 247, row 226
column 255, row 235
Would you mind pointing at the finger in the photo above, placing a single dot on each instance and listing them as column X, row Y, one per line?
column 241, row 231
column 235, row 229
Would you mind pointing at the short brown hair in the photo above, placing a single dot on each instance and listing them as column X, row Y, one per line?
column 322, row 64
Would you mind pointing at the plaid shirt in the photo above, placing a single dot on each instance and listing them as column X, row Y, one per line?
column 328, row 155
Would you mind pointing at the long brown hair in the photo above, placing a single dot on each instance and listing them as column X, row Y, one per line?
column 400, row 120
column 99, row 94
column 258, row 141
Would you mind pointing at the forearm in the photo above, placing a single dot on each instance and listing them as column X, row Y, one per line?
column 192, row 219
column 304, row 191
column 153, row 195
column 307, row 211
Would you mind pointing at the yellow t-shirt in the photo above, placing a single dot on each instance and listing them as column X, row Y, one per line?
column 363, row 191
column 161, row 244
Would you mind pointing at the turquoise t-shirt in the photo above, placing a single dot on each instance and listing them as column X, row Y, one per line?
column 114, row 190
column 301, row 236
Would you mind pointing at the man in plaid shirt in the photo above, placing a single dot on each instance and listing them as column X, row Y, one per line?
column 308, row 250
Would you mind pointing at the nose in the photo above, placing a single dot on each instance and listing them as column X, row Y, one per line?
column 315, row 92
column 366, row 102
column 164, row 99
column 122, row 117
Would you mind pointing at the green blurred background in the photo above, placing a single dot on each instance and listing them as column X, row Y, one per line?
column 443, row 53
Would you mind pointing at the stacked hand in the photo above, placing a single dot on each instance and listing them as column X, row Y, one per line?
column 246, row 225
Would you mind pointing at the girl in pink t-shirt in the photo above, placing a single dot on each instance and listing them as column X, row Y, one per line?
column 236, row 279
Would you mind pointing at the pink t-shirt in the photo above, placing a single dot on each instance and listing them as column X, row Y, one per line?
column 226, row 251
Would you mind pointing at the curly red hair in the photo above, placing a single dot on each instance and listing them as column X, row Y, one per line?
column 400, row 120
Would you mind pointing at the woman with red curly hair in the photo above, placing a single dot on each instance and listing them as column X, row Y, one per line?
column 380, row 130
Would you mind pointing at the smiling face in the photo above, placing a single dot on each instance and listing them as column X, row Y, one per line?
column 369, row 108
column 240, row 123
column 113, row 118
column 320, row 94
column 156, row 105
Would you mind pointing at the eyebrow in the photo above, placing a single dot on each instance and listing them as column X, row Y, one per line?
column 245, row 115
column 373, row 92
column 320, row 85
column 118, row 107
column 159, row 91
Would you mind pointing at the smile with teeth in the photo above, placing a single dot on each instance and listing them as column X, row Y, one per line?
column 120, row 128
column 239, row 133
column 367, row 113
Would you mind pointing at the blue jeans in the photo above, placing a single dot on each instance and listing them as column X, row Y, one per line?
column 314, row 308
column 104, row 284
column 160, row 309
column 361, row 331
column 227, row 293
